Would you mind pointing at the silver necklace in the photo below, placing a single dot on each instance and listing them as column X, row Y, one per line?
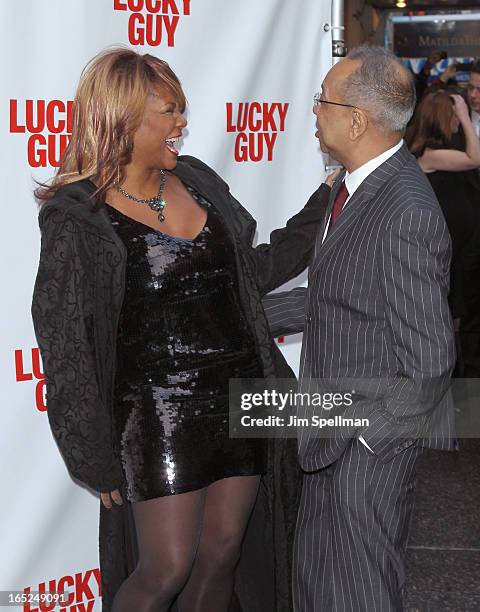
column 157, row 203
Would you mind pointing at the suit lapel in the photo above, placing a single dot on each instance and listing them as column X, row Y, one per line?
column 357, row 205
column 347, row 218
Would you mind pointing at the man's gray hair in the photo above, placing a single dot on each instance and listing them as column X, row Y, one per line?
column 382, row 86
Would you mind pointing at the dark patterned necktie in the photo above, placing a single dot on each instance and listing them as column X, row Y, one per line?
column 340, row 200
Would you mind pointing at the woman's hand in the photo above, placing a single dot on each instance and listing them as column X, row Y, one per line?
column 331, row 178
column 108, row 497
column 460, row 107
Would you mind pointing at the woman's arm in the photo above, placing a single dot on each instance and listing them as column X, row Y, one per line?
column 63, row 322
column 450, row 159
column 290, row 248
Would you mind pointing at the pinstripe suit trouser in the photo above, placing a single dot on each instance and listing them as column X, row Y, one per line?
column 352, row 531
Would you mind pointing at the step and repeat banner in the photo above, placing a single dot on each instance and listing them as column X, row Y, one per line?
column 249, row 70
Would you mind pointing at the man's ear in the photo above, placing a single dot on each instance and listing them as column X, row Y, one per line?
column 359, row 123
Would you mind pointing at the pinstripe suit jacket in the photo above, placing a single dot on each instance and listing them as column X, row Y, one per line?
column 375, row 316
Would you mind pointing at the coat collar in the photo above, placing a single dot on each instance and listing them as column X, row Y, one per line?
column 212, row 187
column 356, row 206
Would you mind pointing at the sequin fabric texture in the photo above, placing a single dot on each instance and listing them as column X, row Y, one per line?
column 181, row 336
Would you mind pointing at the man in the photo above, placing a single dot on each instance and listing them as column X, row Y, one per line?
column 473, row 94
column 473, row 90
column 421, row 78
column 470, row 322
column 375, row 309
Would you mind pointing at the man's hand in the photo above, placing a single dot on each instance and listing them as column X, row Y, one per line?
column 108, row 497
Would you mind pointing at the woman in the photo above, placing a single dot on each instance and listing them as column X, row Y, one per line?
column 146, row 302
column 431, row 139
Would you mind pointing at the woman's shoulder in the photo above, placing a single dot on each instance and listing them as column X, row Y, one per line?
column 68, row 196
column 429, row 145
column 70, row 209
column 435, row 146
column 76, row 192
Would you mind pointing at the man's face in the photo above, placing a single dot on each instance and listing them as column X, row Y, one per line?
column 333, row 122
column 474, row 91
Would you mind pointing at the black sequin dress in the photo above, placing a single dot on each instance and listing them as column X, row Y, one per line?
column 182, row 334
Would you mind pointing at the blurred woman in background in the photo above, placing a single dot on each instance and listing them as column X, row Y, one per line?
column 431, row 137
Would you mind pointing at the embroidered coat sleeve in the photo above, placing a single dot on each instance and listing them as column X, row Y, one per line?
column 62, row 312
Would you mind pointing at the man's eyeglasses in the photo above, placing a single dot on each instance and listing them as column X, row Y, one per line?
column 317, row 99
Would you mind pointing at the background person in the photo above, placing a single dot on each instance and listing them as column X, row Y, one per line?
column 421, row 79
column 473, row 92
column 430, row 138
column 470, row 325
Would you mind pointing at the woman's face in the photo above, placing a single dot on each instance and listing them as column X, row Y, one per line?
column 162, row 123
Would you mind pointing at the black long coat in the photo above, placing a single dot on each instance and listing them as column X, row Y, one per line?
column 76, row 305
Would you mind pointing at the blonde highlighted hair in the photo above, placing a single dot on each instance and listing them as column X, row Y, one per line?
column 108, row 109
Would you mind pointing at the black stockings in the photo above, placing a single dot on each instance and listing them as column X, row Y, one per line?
column 189, row 545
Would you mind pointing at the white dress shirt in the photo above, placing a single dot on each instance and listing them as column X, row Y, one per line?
column 476, row 122
column 356, row 178
column 353, row 182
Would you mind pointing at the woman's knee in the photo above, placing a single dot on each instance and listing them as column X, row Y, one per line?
column 161, row 578
column 220, row 553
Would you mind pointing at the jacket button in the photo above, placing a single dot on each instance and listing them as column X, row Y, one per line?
column 309, row 318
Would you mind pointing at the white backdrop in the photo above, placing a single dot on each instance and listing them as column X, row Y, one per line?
column 272, row 54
